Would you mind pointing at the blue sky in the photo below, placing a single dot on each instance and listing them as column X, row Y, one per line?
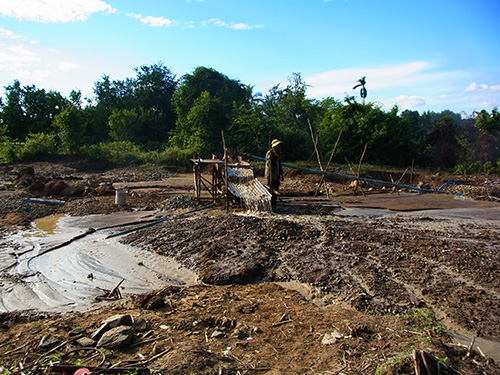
column 419, row 54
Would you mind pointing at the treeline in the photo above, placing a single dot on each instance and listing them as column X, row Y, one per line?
column 155, row 117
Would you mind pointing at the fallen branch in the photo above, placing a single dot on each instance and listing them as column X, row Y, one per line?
column 70, row 369
column 282, row 322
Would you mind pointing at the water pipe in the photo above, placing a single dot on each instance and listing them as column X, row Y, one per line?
column 332, row 174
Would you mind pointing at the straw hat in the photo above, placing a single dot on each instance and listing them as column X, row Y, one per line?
column 275, row 143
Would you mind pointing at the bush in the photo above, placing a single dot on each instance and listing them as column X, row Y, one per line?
column 121, row 152
column 489, row 167
column 124, row 152
column 38, row 144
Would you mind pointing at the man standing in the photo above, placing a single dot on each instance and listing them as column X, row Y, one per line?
column 274, row 170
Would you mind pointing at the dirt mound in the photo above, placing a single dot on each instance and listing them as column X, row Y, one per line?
column 376, row 267
column 236, row 329
column 374, row 289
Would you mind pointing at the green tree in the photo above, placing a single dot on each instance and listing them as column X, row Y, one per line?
column 488, row 123
column 68, row 126
column 288, row 112
column 442, row 147
column 124, row 125
column 149, row 95
column 388, row 137
column 30, row 110
column 205, row 103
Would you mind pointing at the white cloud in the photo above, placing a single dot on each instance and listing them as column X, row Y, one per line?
column 157, row 21
column 7, row 34
column 16, row 56
column 153, row 21
column 339, row 82
column 53, row 11
column 483, row 87
column 67, row 66
column 408, row 102
column 230, row 25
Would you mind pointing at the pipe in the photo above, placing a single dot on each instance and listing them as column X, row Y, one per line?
column 332, row 174
column 158, row 221
column 449, row 182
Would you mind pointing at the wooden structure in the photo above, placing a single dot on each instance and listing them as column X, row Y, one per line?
column 229, row 182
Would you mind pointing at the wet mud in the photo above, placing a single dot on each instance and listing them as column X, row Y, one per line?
column 350, row 284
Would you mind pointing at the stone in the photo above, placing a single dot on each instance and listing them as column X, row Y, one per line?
column 86, row 342
column 140, row 325
column 216, row 334
column 120, row 320
column 76, row 190
column 331, row 338
column 112, row 322
column 76, row 331
column 48, row 341
column 115, row 338
column 55, row 187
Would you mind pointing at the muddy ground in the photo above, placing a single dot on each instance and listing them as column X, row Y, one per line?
column 324, row 286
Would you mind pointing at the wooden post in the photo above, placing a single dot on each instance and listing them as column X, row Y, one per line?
column 359, row 171
column 328, row 165
column 225, row 171
column 315, row 146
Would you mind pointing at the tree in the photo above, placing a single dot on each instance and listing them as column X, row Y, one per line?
column 149, row 95
column 68, row 126
column 30, row 110
column 443, row 147
column 205, row 103
column 388, row 136
column 488, row 123
column 362, row 91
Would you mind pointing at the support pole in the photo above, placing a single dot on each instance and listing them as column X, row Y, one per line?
column 225, row 171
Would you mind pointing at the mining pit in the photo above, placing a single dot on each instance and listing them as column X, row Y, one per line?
column 380, row 281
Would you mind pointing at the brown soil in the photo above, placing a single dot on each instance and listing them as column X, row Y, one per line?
column 274, row 287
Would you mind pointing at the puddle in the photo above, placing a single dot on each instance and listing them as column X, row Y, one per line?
column 44, row 278
column 44, row 226
column 363, row 212
column 488, row 348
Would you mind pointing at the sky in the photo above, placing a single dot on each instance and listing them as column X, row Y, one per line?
column 416, row 54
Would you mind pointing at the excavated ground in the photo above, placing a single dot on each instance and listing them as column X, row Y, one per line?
column 399, row 277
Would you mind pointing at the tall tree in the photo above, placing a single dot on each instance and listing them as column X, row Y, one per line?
column 149, row 95
column 205, row 101
column 30, row 110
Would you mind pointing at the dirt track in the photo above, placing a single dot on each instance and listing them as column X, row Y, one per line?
column 385, row 284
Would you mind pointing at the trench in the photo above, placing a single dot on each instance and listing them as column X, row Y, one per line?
column 37, row 275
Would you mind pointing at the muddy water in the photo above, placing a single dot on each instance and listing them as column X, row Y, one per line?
column 36, row 277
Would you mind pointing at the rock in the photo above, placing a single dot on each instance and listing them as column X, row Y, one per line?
column 217, row 334
column 86, row 342
column 48, row 341
column 74, row 191
column 25, row 176
column 36, row 186
column 120, row 320
column 112, row 322
column 331, row 338
column 55, row 187
column 116, row 338
column 140, row 325
column 76, row 331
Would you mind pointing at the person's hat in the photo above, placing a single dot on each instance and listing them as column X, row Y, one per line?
column 275, row 142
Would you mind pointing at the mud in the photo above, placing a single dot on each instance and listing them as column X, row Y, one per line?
column 384, row 273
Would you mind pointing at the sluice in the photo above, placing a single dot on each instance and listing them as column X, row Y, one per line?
column 231, row 181
column 243, row 184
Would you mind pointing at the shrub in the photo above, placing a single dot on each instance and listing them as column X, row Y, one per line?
column 38, row 144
